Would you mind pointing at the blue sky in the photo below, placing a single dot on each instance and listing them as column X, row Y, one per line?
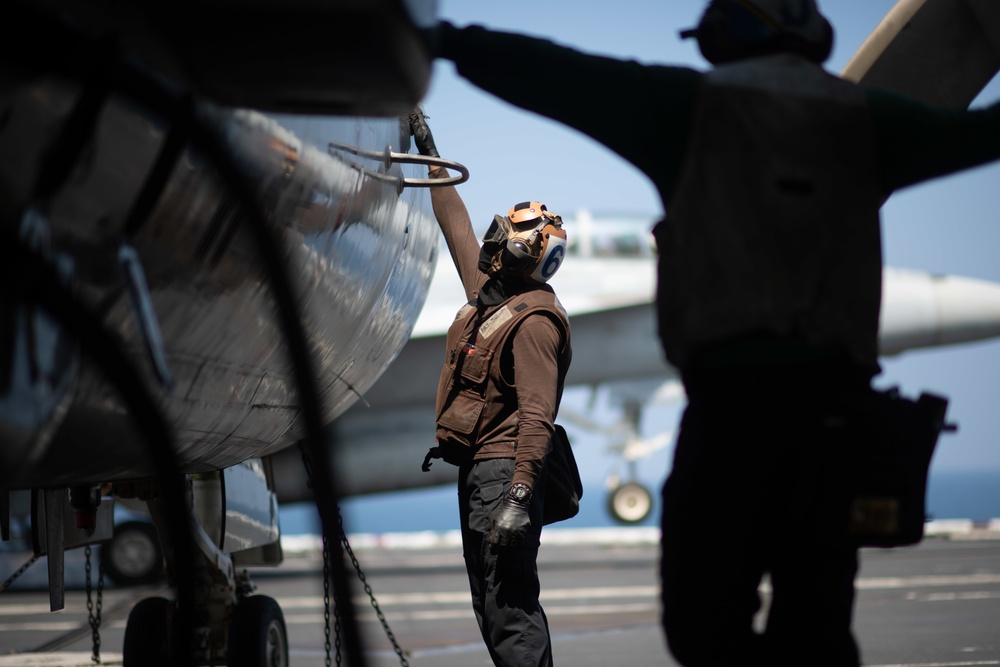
column 948, row 226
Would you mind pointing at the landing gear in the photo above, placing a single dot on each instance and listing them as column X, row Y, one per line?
column 257, row 635
column 147, row 634
column 630, row 502
column 133, row 556
column 225, row 624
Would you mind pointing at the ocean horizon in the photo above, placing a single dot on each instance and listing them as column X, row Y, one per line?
column 951, row 494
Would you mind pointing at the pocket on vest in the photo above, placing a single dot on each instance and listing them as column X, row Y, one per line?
column 461, row 417
column 474, row 363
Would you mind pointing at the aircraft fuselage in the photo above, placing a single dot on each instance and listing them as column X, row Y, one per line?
column 183, row 286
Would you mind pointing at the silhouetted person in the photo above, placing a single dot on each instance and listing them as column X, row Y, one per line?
column 771, row 172
column 506, row 359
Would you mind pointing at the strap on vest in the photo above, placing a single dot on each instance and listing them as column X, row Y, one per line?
column 456, row 455
column 432, row 453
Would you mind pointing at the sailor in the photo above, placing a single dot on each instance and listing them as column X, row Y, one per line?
column 506, row 359
column 771, row 172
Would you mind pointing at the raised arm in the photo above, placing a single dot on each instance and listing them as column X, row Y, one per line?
column 450, row 211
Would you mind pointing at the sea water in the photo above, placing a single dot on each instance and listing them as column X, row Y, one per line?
column 951, row 494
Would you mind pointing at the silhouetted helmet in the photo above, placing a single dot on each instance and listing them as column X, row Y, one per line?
column 528, row 242
column 735, row 29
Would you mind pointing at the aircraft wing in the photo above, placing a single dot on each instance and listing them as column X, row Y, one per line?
column 942, row 52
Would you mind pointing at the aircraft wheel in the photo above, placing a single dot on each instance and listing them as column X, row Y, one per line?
column 630, row 503
column 257, row 636
column 133, row 556
column 147, row 634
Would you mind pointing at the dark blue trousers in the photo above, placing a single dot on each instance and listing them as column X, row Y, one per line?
column 752, row 492
column 504, row 583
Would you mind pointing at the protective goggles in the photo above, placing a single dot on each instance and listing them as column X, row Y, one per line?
column 523, row 240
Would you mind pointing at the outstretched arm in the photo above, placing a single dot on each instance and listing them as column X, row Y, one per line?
column 917, row 142
column 642, row 112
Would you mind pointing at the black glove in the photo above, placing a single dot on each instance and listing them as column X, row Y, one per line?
column 422, row 136
column 510, row 523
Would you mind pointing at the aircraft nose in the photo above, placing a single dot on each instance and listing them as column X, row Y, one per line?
column 921, row 309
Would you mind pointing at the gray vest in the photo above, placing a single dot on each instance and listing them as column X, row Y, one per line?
column 774, row 228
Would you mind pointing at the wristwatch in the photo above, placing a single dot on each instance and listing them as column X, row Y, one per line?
column 520, row 493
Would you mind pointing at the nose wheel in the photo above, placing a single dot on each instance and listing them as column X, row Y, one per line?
column 257, row 635
column 147, row 634
column 630, row 502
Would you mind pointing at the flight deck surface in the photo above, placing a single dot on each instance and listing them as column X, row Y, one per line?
column 933, row 605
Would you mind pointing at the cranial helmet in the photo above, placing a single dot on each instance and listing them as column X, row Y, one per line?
column 735, row 29
column 528, row 242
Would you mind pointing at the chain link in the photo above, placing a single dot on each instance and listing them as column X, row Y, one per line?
column 94, row 615
column 342, row 538
column 371, row 594
column 336, row 628
column 326, row 598
column 21, row 570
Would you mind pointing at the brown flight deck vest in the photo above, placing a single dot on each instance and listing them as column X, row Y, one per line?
column 773, row 229
column 476, row 408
